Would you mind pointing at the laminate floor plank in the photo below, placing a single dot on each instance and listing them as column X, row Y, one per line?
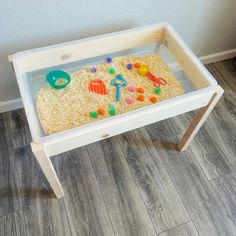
column 230, row 66
column 215, row 155
column 10, row 199
column 47, row 219
column 19, row 127
column 84, row 203
column 33, row 186
column 13, row 224
column 87, row 215
column 225, row 187
column 198, row 196
column 124, row 203
column 160, row 196
column 43, row 220
column 224, row 73
column 186, row 229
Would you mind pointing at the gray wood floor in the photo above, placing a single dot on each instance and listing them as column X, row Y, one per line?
column 132, row 184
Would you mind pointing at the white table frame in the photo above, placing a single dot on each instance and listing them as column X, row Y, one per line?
column 204, row 98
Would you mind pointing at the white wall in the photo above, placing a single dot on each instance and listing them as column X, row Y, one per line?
column 208, row 26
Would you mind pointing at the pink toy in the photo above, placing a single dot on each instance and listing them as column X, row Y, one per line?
column 131, row 88
column 130, row 100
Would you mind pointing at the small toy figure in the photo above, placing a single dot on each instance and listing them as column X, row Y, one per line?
column 97, row 86
column 55, row 76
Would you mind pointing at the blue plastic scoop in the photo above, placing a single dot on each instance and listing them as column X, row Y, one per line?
column 119, row 82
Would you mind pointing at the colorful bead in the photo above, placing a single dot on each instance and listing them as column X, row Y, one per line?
column 101, row 111
column 141, row 98
column 157, row 90
column 94, row 114
column 153, row 99
column 140, row 90
column 93, row 70
column 129, row 66
column 112, row 112
column 109, row 60
column 112, row 70
column 137, row 65
column 112, row 105
column 131, row 88
column 129, row 100
column 143, row 70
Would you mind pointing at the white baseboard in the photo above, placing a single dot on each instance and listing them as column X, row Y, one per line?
column 17, row 103
column 10, row 105
column 220, row 56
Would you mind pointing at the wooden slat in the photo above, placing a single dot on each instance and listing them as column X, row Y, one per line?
column 84, row 204
column 187, row 60
column 10, row 199
column 206, row 210
column 61, row 142
column 164, row 205
column 125, row 206
column 33, row 185
column 225, row 188
column 86, row 48
column 186, row 229
column 13, row 224
column 47, row 219
column 20, row 130
column 199, row 119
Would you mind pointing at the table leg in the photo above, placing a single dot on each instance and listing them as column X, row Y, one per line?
column 48, row 169
column 199, row 119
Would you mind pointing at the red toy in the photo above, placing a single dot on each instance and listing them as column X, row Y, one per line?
column 97, row 86
column 144, row 71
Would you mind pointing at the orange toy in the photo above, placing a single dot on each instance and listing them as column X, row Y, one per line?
column 140, row 90
column 101, row 111
column 141, row 98
column 97, row 86
column 137, row 65
column 153, row 99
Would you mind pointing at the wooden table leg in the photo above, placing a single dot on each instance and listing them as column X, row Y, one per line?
column 48, row 169
column 199, row 119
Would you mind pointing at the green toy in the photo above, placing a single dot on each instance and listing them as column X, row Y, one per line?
column 112, row 112
column 53, row 77
column 94, row 114
column 157, row 90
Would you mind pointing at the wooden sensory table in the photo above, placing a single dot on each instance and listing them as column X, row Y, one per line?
column 204, row 98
